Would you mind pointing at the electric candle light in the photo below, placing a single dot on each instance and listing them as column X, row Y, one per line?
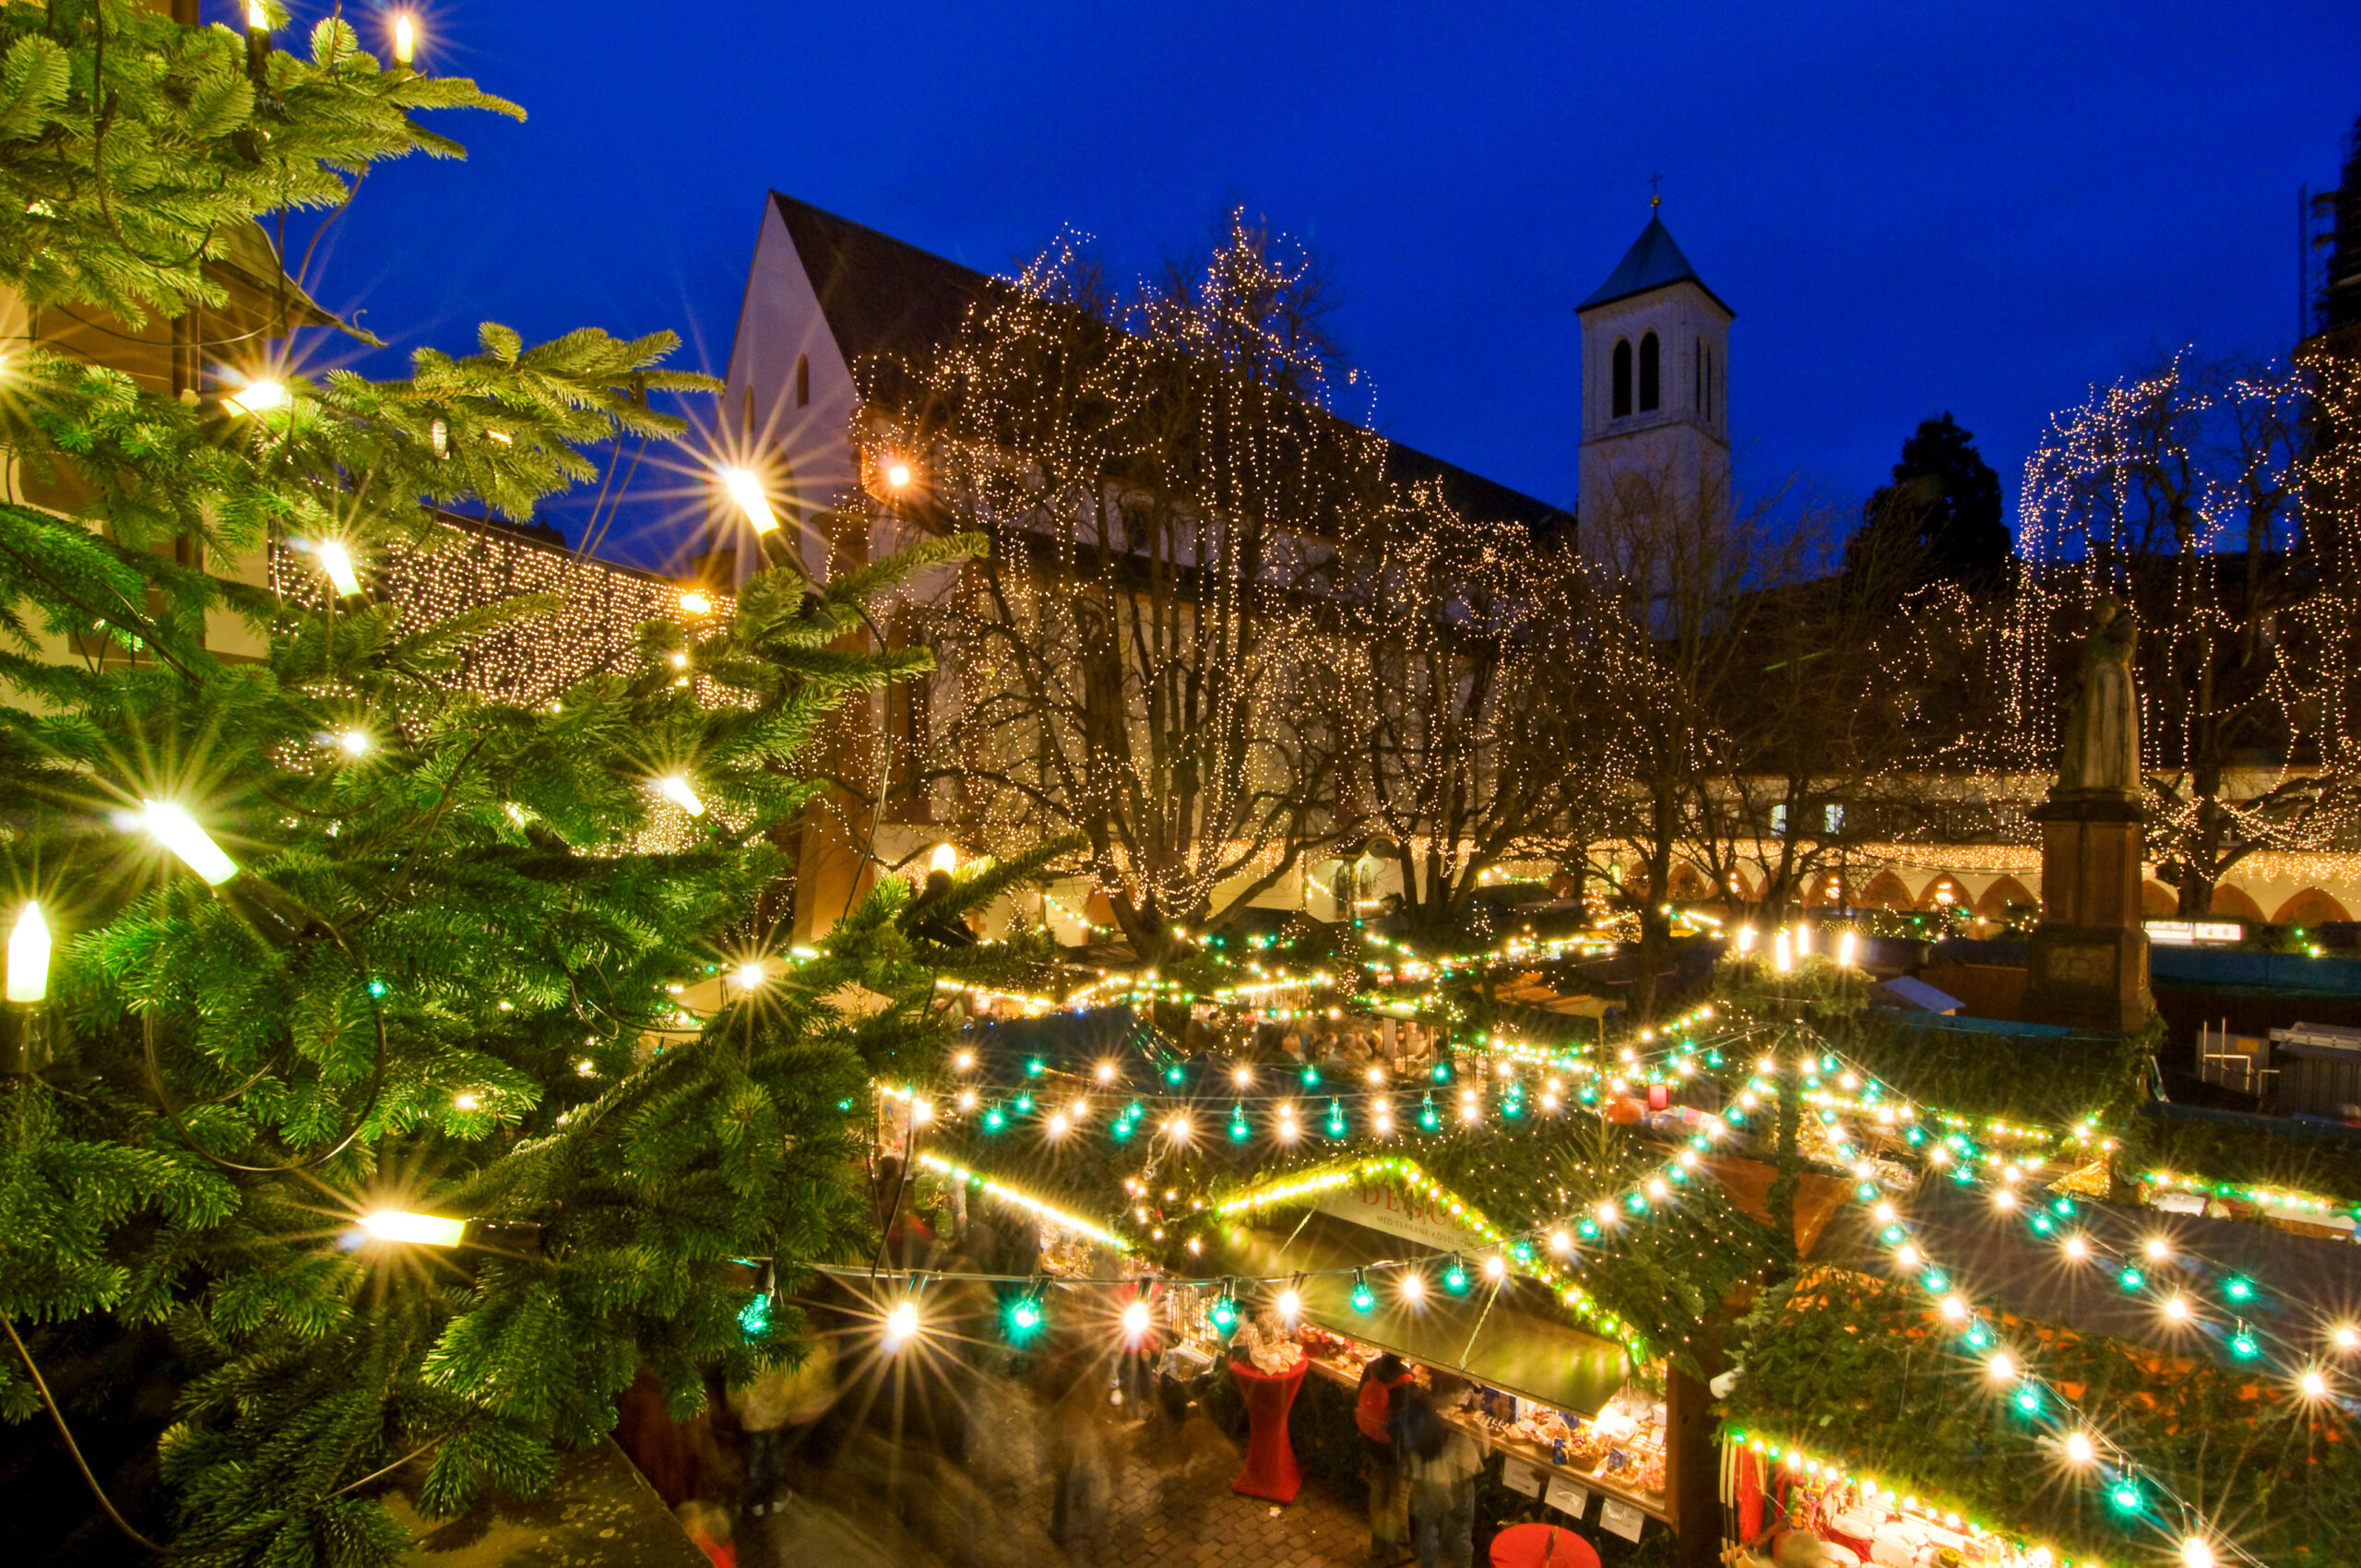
column 405, row 37
column 337, row 562
column 422, row 1230
column 255, row 397
column 745, row 487
column 28, row 949
column 675, row 788
column 178, row 832
column 751, row 975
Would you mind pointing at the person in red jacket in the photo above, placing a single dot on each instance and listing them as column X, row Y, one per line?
column 1386, row 1385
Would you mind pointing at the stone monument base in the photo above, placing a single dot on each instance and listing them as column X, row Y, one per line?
column 2089, row 959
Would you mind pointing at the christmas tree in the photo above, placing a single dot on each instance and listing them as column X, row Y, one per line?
column 353, row 1103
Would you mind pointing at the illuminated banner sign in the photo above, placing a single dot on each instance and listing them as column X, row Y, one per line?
column 1412, row 1215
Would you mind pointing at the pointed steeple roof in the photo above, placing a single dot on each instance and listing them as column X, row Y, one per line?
column 1653, row 262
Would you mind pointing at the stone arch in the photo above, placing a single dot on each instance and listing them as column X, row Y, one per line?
column 2158, row 901
column 2004, row 891
column 1945, row 892
column 1740, row 890
column 1886, row 891
column 2309, row 907
column 1687, row 883
column 2232, row 903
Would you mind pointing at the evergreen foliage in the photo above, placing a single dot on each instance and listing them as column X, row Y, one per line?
column 1943, row 514
column 433, row 982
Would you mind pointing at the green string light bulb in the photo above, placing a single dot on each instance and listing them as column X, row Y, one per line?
column 1363, row 1297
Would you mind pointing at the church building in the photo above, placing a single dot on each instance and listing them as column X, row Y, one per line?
column 1655, row 349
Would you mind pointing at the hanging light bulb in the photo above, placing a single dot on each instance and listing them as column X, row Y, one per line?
column 2078, row 1448
column 901, row 1324
column 337, row 562
column 2196, row 1553
column 29, row 956
column 745, row 487
column 1135, row 1319
column 178, row 832
column 675, row 788
column 1363, row 1297
column 1291, row 1304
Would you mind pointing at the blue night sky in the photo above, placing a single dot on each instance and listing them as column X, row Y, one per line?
column 1981, row 207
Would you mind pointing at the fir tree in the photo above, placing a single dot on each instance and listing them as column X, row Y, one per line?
column 431, row 980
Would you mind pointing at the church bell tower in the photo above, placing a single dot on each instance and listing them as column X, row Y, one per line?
column 1655, row 349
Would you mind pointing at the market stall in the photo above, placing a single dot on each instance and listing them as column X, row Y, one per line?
column 1561, row 1408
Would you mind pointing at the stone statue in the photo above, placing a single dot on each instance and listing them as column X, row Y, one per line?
column 2103, row 720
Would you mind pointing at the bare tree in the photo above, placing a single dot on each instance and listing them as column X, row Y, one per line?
column 2187, row 491
column 1162, row 485
column 1684, row 578
column 1456, row 749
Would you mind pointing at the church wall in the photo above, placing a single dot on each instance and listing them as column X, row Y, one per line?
column 805, row 449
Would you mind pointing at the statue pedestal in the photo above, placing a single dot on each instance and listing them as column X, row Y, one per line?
column 2089, row 957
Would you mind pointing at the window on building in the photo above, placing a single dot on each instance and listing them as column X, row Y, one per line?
column 1648, row 373
column 802, row 380
column 1706, row 407
column 1698, row 402
column 1622, row 377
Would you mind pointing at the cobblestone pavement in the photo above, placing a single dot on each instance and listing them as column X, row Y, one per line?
column 1162, row 1500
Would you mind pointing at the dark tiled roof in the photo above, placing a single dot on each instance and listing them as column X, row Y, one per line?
column 888, row 301
column 1653, row 262
column 882, row 296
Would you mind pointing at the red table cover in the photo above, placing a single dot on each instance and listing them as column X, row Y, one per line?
column 1542, row 1546
column 1270, row 1469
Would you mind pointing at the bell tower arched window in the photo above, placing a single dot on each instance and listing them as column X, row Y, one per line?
column 1622, row 378
column 1649, row 373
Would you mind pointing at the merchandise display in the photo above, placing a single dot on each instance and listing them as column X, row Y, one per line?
column 1618, row 1449
column 1827, row 1521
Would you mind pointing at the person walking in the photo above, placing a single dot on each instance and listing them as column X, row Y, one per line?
column 1386, row 1382
column 1075, row 1427
column 1439, row 1462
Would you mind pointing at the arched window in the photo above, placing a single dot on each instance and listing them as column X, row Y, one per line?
column 1622, row 377
column 1648, row 373
column 802, row 380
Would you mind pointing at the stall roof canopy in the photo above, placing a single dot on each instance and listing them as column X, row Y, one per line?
column 1517, row 1340
column 2300, row 1281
